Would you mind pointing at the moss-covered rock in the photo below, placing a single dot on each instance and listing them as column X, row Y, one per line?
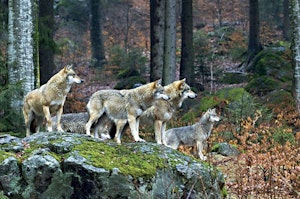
column 222, row 97
column 272, row 62
column 234, row 78
column 70, row 165
column 262, row 85
column 130, row 82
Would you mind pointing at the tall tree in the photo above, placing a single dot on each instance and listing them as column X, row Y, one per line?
column 169, row 67
column 46, row 43
column 254, row 45
column 295, row 47
column 97, row 43
column 21, row 45
column 187, row 50
column 157, row 32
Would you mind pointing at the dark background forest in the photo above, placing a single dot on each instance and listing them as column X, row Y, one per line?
column 236, row 55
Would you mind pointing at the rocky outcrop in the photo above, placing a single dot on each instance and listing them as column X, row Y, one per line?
column 68, row 165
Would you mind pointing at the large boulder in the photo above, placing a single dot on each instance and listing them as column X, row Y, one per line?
column 70, row 165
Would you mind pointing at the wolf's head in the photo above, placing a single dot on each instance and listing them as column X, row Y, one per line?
column 71, row 76
column 186, row 90
column 159, row 92
column 210, row 116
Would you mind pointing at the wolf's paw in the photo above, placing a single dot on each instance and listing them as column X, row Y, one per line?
column 203, row 158
column 60, row 130
column 140, row 140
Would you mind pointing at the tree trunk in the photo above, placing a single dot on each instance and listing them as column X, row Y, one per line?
column 97, row 43
column 187, row 50
column 254, row 45
column 286, row 20
column 21, row 47
column 157, row 24
column 169, row 67
column 295, row 47
column 254, row 40
column 46, row 44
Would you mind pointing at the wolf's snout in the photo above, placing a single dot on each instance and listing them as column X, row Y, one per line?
column 194, row 96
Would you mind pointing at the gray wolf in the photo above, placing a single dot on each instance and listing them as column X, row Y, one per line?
column 196, row 134
column 163, row 110
column 75, row 122
column 122, row 106
column 48, row 99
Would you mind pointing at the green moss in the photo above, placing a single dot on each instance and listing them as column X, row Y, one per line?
column 234, row 78
column 222, row 97
column 280, row 99
column 129, row 162
column 215, row 147
column 4, row 155
column 224, row 192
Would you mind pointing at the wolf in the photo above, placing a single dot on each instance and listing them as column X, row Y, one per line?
column 75, row 123
column 163, row 110
column 48, row 99
column 196, row 134
column 122, row 106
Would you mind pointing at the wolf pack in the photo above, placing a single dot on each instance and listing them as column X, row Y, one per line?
column 122, row 108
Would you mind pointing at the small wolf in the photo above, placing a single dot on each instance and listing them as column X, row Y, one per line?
column 162, row 111
column 123, row 106
column 75, row 123
column 193, row 135
column 49, row 98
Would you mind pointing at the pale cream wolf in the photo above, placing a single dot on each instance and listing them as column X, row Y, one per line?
column 48, row 99
column 162, row 111
column 123, row 106
column 195, row 135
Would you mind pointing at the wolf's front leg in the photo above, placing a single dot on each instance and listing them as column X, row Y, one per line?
column 158, row 129
column 200, row 148
column 48, row 118
column 58, row 116
column 119, row 129
column 134, row 128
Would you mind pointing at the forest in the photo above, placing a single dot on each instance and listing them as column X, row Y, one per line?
column 240, row 56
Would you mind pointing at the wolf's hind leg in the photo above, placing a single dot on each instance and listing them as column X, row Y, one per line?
column 134, row 128
column 48, row 118
column 93, row 118
column 28, row 117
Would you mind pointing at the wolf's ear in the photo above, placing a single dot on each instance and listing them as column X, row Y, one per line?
column 181, row 83
column 68, row 67
column 157, row 83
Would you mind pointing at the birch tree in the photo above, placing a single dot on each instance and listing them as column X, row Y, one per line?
column 21, row 47
column 295, row 47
